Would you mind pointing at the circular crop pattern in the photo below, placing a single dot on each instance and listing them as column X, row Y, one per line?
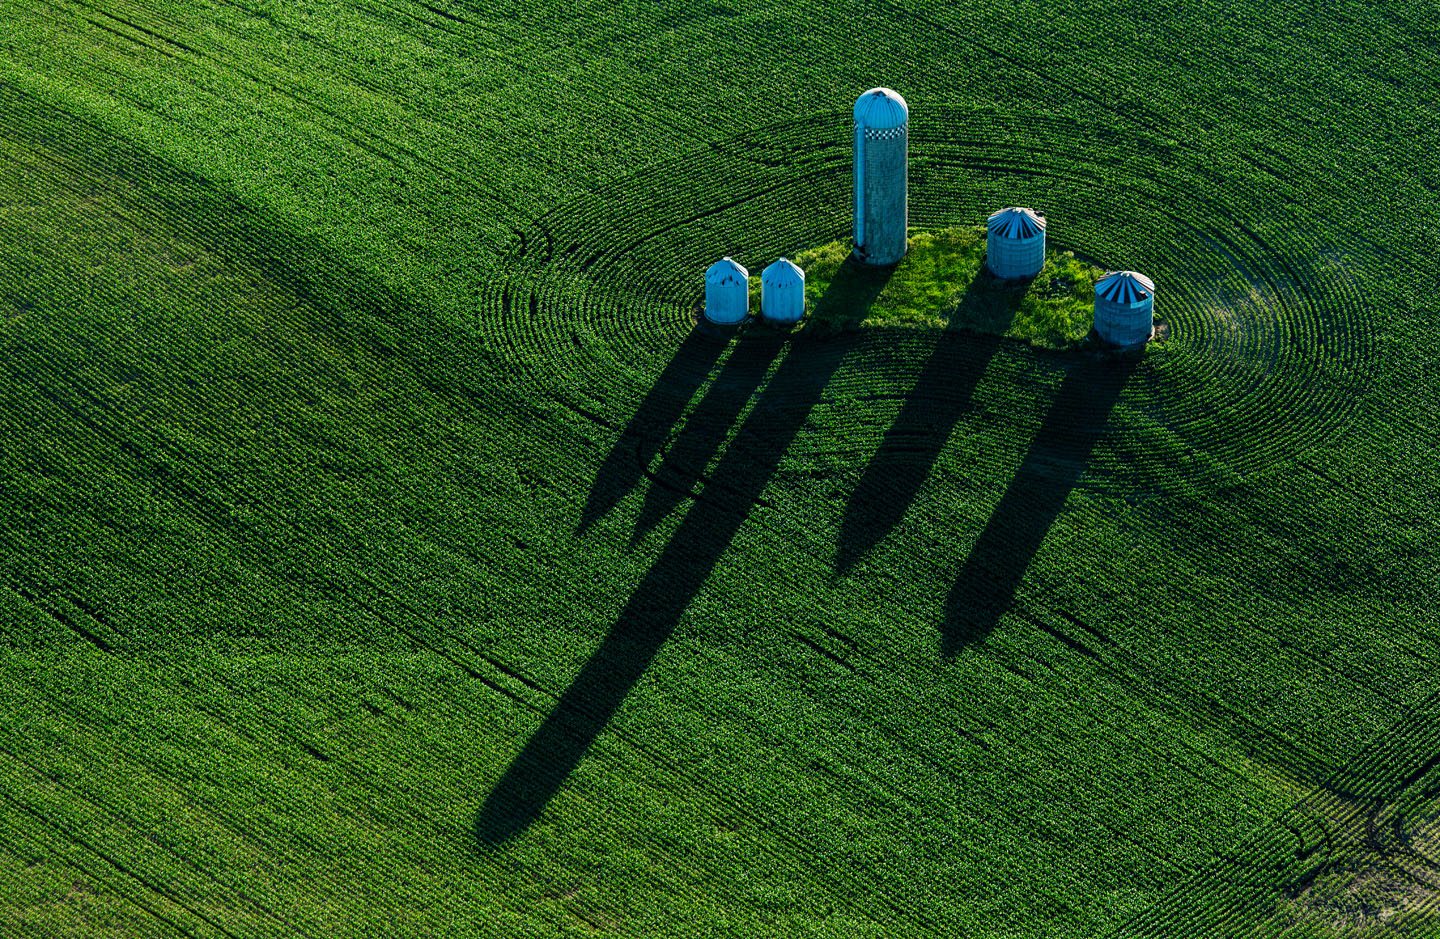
column 1266, row 340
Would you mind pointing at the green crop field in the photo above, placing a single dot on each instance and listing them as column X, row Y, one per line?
column 390, row 550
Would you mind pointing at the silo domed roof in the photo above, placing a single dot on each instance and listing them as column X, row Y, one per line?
column 725, row 267
column 881, row 109
column 1124, row 287
column 1016, row 222
column 783, row 273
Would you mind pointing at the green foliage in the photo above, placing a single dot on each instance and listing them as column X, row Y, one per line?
column 943, row 283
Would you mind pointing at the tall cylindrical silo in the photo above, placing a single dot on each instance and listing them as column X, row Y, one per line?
column 727, row 292
column 1125, row 308
column 782, row 292
column 881, row 148
column 1015, row 243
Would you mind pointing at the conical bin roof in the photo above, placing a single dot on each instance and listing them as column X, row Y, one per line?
column 1124, row 287
column 1016, row 222
column 723, row 268
column 783, row 273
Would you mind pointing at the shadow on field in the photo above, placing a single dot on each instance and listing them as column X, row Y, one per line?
column 847, row 300
column 986, row 585
column 912, row 444
column 855, row 286
column 673, row 581
column 705, row 430
column 940, row 395
column 645, row 433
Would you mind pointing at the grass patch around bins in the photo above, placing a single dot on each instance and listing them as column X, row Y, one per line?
column 943, row 283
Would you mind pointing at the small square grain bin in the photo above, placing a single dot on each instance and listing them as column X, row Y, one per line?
column 727, row 292
column 782, row 292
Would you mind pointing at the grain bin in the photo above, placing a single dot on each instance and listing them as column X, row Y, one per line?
column 1125, row 308
column 881, row 145
column 727, row 292
column 1015, row 243
column 782, row 292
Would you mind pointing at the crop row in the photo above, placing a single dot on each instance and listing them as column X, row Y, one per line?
column 75, row 390
column 1268, row 337
column 1263, row 319
column 367, row 482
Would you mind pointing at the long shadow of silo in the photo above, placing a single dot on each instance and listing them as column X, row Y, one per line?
column 645, row 432
column 911, row 446
column 654, row 609
column 941, row 394
column 1058, row 454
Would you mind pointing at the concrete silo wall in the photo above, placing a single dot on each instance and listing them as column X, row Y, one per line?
column 1015, row 257
column 882, row 205
column 1125, row 324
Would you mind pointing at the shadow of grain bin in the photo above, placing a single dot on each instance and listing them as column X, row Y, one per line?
column 1059, row 453
column 659, row 601
column 689, row 454
column 647, row 429
column 913, row 443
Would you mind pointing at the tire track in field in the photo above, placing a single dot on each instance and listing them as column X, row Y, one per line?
column 8, row 820
column 1280, row 861
column 283, row 841
column 156, row 889
column 114, row 811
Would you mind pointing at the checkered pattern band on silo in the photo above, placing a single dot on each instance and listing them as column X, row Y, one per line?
column 889, row 133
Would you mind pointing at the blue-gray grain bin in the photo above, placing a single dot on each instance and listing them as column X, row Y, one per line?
column 881, row 148
column 1125, row 308
column 782, row 292
column 1015, row 243
column 727, row 292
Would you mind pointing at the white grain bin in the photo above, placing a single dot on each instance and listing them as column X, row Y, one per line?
column 727, row 292
column 1125, row 308
column 782, row 292
column 881, row 145
column 1015, row 243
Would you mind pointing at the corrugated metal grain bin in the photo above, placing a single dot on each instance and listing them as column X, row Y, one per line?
column 881, row 200
column 782, row 292
column 727, row 292
column 1015, row 243
column 1125, row 308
